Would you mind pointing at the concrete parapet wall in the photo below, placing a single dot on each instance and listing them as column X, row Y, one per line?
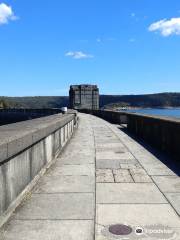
column 161, row 132
column 25, row 148
column 8, row 116
column 111, row 116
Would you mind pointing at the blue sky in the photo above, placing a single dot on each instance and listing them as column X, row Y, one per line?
column 124, row 46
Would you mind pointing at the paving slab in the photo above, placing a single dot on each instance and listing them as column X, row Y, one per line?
column 122, row 176
column 105, row 136
column 57, row 206
column 146, row 216
column 114, row 149
column 167, row 183
column 174, row 199
column 58, row 184
column 102, row 141
column 78, row 143
column 104, row 175
column 128, row 193
column 74, row 160
column 137, row 214
column 72, row 170
column 130, row 165
column 157, row 169
column 101, row 135
column 105, row 139
column 108, row 164
column 140, row 175
column 49, row 230
column 114, row 155
column 109, row 145
column 115, row 163
column 77, row 154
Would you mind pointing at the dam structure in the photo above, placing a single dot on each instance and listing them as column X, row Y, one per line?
column 90, row 175
column 84, row 96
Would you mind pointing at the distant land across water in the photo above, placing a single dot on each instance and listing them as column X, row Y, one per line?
column 153, row 101
column 169, row 112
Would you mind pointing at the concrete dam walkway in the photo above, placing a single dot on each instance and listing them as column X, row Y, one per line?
column 103, row 186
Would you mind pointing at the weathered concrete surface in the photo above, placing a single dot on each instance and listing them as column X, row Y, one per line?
column 137, row 204
column 104, row 175
column 32, row 146
column 174, row 199
column 57, row 206
column 49, row 230
column 122, row 176
column 62, row 205
column 71, row 183
column 160, row 131
column 16, row 137
column 140, row 175
column 84, row 96
column 168, row 183
column 136, row 215
column 132, row 187
column 8, row 115
column 128, row 193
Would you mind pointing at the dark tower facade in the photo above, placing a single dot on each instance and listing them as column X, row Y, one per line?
column 84, row 97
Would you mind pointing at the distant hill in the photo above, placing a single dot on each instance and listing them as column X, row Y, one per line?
column 146, row 100
column 36, row 102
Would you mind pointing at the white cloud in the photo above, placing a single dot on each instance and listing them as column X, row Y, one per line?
column 78, row 55
column 6, row 14
column 166, row 27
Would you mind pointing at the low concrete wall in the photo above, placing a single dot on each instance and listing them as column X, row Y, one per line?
column 25, row 148
column 161, row 132
column 111, row 116
column 8, row 116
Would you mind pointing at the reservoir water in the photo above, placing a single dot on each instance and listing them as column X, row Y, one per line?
column 168, row 112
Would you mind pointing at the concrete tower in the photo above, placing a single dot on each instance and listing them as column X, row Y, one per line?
column 84, row 97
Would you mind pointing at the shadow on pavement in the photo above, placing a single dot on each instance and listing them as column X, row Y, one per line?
column 170, row 162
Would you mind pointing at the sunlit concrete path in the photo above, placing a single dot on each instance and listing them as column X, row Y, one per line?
column 102, row 178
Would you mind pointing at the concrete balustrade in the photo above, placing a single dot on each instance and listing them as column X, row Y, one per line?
column 26, row 148
column 161, row 132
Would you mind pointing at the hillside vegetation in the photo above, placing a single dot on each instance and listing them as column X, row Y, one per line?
column 148, row 100
column 36, row 102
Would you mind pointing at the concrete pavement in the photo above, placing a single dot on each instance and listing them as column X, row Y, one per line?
column 103, row 178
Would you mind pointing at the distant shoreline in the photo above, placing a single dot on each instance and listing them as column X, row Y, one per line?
column 146, row 108
column 173, row 112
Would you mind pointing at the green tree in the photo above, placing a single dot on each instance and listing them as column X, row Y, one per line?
column 3, row 104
